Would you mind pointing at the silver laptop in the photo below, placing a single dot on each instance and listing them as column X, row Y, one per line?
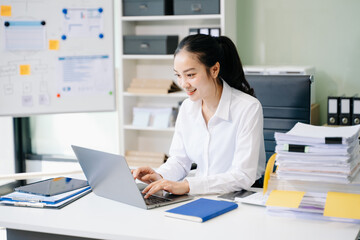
column 110, row 177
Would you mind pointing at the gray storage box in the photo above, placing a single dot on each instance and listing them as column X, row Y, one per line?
column 150, row 44
column 193, row 7
column 147, row 7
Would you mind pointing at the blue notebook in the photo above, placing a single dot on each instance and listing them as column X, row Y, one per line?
column 201, row 209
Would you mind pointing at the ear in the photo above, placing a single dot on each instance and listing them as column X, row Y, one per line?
column 214, row 70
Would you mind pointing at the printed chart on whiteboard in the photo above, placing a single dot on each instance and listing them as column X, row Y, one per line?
column 56, row 56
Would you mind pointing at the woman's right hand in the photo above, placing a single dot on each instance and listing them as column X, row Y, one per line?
column 146, row 174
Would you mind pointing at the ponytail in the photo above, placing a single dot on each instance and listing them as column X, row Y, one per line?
column 231, row 69
column 211, row 50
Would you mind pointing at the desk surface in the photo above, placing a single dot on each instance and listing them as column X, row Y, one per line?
column 97, row 217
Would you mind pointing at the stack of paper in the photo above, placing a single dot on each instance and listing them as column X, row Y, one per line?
column 276, row 183
column 50, row 193
column 141, row 158
column 313, row 153
column 331, row 206
column 33, row 200
column 153, row 86
column 295, row 203
column 317, row 174
column 154, row 117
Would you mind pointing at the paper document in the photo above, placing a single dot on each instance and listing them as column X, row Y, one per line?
column 313, row 153
column 331, row 206
column 258, row 199
column 307, row 133
column 28, row 197
column 325, row 149
column 32, row 200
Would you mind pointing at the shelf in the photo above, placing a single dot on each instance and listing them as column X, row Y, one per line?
column 170, row 18
column 151, row 57
column 158, row 66
column 131, row 127
column 170, row 95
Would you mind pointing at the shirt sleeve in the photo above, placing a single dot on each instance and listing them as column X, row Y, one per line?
column 242, row 173
column 178, row 165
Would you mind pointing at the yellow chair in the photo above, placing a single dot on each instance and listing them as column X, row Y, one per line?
column 269, row 169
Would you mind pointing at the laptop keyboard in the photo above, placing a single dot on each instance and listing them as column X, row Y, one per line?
column 155, row 200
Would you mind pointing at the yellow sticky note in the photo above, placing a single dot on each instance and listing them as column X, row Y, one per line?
column 53, row 44
column 343, row 205
column 289, row 199
column 25, row 69
column 5, row 11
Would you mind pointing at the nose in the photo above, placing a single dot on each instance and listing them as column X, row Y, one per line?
column 184, row 84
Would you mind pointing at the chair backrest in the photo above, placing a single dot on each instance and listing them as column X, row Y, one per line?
column 285, row 100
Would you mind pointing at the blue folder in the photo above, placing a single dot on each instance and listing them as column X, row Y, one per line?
column 32, row 200
column 201, row 209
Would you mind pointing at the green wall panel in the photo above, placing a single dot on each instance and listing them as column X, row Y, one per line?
column 320, row 33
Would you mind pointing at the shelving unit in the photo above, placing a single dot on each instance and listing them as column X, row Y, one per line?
column 158, row 67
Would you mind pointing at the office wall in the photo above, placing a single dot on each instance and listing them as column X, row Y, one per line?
column 54, row 134
column 7, row 154
column 320, row 33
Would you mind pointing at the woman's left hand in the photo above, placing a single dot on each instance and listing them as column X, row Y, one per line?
column 177, row 188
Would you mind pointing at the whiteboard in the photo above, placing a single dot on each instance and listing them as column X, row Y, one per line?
column 56, row 56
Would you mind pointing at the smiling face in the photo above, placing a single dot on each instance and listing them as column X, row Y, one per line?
column 193, row 76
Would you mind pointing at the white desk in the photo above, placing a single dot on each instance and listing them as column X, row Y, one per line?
column 96, row 217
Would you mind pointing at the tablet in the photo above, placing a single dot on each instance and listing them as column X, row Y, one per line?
column 238, row 194
column 53, row 186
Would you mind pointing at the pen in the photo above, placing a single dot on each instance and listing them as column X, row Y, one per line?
column 25, row 199
column 28, row 204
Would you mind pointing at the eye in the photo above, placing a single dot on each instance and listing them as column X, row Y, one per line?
column 177, row 75
column 190, row 75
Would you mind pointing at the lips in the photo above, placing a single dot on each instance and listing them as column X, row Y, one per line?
column 191, row 92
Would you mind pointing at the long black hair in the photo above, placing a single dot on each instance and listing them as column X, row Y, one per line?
column 211, row 50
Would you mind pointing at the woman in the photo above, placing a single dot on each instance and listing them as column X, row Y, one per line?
column 219, row 127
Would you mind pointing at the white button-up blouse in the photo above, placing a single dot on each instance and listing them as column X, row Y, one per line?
column 229, row 152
